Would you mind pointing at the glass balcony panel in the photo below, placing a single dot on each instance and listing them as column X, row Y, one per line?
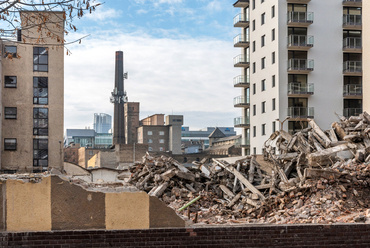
column 352, row 66
column 241, row 121
column 241, row 100
column 300, row 64
column 300, row 17
column 300, row 40
column 240, row 80
column 242, row 142
column 352, row 90
column 241, row 39
column 241, row 18
column 352, row 20
column 347, row 112
column 351, row 42
column 241, row 59
column 300, row 89
column 301, row 112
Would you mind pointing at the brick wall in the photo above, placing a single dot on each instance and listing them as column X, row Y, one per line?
column 246, row 236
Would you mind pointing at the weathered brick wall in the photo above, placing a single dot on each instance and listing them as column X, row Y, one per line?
column 247, row 236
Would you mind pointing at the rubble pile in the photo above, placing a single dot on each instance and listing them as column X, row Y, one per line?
column 313, row 176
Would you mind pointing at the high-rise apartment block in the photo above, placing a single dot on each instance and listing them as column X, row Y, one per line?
column 299, row 59
column 102, row 123
column 32, row 95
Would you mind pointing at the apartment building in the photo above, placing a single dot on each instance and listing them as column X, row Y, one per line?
column 299, row 59
column 32, row 96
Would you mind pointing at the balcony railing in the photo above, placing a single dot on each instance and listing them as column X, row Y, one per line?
column 352, row 43
column 301, row 112
column 352, row 90
column 300, row 65
column 241, row 20
column 241, row 101
column 352, row 20
column 241, row 81
column 241, row 40
column 241, row 60
column 242, row 121
column 352, row 67
column 300, row 89
column 347, row 112
column 300, row 41
column 242, row 142
column 305, row 18
column 352, row 3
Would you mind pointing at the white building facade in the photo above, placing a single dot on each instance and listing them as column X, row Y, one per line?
column 300, row 59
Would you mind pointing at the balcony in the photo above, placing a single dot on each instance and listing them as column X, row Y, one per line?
column 300, row 112
column 241, row 101
column 352, row 91
column 299, row 19
column 242, row 121
column 300, row 66
column 300, row 42
column 298, row 1
column 242, row 142
column 300, row 90
column 352, row 45
column 347, row 112
column 241, row 41
column 241, row 21
column 352, row 3
column 241, row 81
column 241, row 61
column 241, row 4
column 352, row 22
column 352, row 68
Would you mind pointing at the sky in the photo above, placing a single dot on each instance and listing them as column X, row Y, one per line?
column 178, row 55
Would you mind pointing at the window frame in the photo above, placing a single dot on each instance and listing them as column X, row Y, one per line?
column 273, row 34
column 273, row 104
column 263, row 18
column 272, row 11
column 254, row 88
column 263, row 85
column 37, row 91
column 38, row 150
column 253, row 25
column 254, row 131
column 149, row 132
column 263, row 40
column 273, row 57
column 263, row 107
column 150, row 141
column 12, row 116
column 263, row 129
column 273, row 81
column 10, row 85
column 37, row 56
column 13, row 54
column 263, row 63
column 37, row 117
column 254, row 109
column 6, row 146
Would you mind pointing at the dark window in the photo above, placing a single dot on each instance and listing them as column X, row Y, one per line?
column 273, row 57
column 254, row 109
column 263, row 107
column 254, row 89
column 253, row 4
column 253, row 25
column 10, row 52
column 254, row 150
column 10, row 144
column 10, row 82
column 273, row 11
column 254, row 46
column 10, row 113
column 40, row 90
column 40, row 153
column 263, row 85
column 40, row 121
column 273, row 81
column 263, row 18
column 263, row 63
column 263, row 37
column 273, row 104
column 273, row 34
column 263, row 129
column 262, row 1
column 254, row 131
column 40, row 59
column 254, row 67
column 273, row 126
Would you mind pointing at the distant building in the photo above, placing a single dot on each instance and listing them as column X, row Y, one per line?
column 71, row 153
column 202, row 134
column 190, row 147
column 102, row 123
column 219, row 144
column 84, row 137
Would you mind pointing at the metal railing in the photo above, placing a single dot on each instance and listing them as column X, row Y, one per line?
column 242, row 142
column 300, row 89
column 241, row 80
column 301, row 112
column 242, row 58
column 241, row 100
column 241, row 121
column 300, row 40
column 241, row 18
column 241, row 39
column 300, row 64
column 302, row 17
column 351, row 42
column 352, row 90
column 352, row 66
column 347, row 112
column 352, row 1
column 352, row 20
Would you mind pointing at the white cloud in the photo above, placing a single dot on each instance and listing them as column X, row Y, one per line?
column 102, row 13
column 214, row 6
column 189, row 76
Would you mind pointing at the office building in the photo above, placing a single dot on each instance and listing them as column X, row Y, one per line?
column 299, row 59
column 102, row 123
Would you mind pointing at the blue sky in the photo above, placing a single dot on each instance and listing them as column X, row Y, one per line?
column 178, row 54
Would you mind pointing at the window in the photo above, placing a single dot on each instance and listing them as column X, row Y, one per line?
column 263, row 37
column 263, row 129
column 150, row 149
column 161, row 149
column 263, row 85
column 263, row 107
column 273, row 11
column 254, row 67
column 150, row 141
column 253, row 4
column 40, row 59
column 254, row 109
column 254, row 131
column 254, row 150
column 10, row 113
column 40, row 153
column 273, row 104
column 273, row 126
column 40, row 121
column 161, row 132
column 254, row 46
column 263, row 62
column 150, row 133
column 263, row 18
column 161, row 141
column 262, row 1
column 273, row 81
column 253, row 25
column 10, row 82
column 273, row 34
column 40, row 90
column 10, row 52
column 273, row 58
column 254, row 89
column 10, row 144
